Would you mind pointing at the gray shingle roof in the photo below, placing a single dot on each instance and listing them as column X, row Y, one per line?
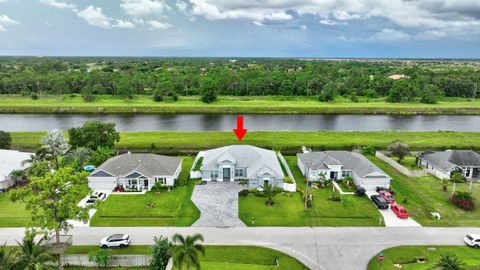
column 349, row 161
column 255, row 159
column 451, row 158
column 147, row 164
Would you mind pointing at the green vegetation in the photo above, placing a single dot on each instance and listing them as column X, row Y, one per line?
column 409, row 162
column 289, row 141
column 229, row 104
column 170, row 208
column 407, row 257
column 198, row 165
column 423, row 195
column 13, row 214
column 220, row 257
column 288, row 209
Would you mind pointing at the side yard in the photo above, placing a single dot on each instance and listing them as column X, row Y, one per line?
column 423, row 195
column 167, row 208
column 12, row 214
column 407, row 256
column 288, row 209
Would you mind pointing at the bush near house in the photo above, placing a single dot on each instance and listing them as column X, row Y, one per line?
column 463, row 200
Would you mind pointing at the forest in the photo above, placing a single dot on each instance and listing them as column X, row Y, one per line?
column 395, row 80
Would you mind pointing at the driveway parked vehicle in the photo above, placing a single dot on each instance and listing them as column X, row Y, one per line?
column 102, row 196
column 115, row 240
column 379, row 201
column 472, row 240
column 399, row 210
column 387, row 196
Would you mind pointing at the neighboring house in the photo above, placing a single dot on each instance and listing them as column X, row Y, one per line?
column 442, row 163
column 11, row 160
column 335, row 165
column 135, row 171
column 241, row 162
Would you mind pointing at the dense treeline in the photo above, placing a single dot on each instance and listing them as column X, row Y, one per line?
column 170, row 77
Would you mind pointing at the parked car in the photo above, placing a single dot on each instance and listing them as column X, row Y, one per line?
column 387, row 196
column 102, row 196
column 385, row 189
column 115, row 240
column 91, row 201
column 399, row 210
column 379, row 201
column 472, row 240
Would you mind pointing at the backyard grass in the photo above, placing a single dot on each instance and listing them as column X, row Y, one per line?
column 409, row 162
column 423, row 195
column 171, row 208
column 230, row 104
column 407, row 257
column 288, row 141
column 221, row 257
column 12, row 214
column 289, row 211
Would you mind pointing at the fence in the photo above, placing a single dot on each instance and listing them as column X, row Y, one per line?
column 116, row 260
column 196, row 174
column 286, row 186
column 399, row 167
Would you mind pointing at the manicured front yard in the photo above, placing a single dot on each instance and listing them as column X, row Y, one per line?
column 12, row 214
column 424, row 195
column 407, row 257
column 170, row 208
column 221, row 257
column 289, row 211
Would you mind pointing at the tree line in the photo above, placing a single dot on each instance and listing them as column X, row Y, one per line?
column 162, row 78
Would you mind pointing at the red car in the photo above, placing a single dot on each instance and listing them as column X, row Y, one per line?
column 387, row 196
column 399, row 210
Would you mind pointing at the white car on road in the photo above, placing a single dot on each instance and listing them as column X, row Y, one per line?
column 115, row 240
column 472, row 240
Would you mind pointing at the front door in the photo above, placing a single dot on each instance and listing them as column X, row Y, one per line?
column 145, row 184
column 226, row 174
column 333, row 175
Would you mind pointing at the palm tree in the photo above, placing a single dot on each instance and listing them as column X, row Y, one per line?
column 270, row 191
column 7, row 258
column 32, row 256
column 78, row 157
column 449, row 262
column 17, row 176
column 187, row 250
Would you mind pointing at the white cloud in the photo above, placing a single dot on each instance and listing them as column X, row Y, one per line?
column 388, row 34
column 327, row 22
column 58, row 4
column 124, row 24
column 258, row 23
column 181, row 5
column 94, row 16
column 303, row 27
column 142, row 8
column 6, row 21
column 156, row 25
column 2, row 28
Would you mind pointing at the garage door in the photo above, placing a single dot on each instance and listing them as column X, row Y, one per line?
column 102, row 183
column 371, row 185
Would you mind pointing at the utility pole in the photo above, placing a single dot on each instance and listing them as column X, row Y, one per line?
column 475, row 85
column 307, row 175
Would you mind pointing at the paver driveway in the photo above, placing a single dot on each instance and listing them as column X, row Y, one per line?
column 218, row 204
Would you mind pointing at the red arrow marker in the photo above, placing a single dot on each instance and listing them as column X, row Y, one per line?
column 240, row 131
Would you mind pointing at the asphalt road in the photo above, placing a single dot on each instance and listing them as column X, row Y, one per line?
column 346, row 248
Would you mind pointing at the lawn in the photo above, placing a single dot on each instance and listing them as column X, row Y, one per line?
column 231, row 104
column 12, row 214
column 221, row 257
column 289, row 211
column 424, row 195
column 288, row 141
column 171, row 208
column 407, row 257
column 409, row 162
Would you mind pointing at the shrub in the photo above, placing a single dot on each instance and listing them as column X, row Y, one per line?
column 119, row 189
column 5, row 140
column 243, row 193
column 368, row 150
column 160, row 253
column 360, row 192
column 463, row 200
column 456, row 176
column 288, row 180
column 34, row 96
column 159, row 186
column 157, row 97
column 101, row 258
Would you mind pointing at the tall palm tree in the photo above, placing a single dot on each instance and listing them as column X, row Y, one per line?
column 7, row 258
column 78, row 157
column 32, row 256
column 187, row 250
column 450, row 262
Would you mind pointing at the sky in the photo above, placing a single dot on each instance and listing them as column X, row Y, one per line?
column 242, row 28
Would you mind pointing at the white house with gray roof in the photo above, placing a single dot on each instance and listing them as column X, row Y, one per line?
column 335, row 165
column 241, row 162
column 442, row 163
column 11, row 160
column 135, row 171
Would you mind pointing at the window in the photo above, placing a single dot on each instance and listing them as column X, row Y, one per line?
column 214, row 174
column 239, row 173
column 162, row 180
column 345, row 173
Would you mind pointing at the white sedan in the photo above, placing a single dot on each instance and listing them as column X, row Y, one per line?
column 115, row 240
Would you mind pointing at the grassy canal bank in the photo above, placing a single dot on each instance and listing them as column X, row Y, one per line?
column 232, row 105
column 177, row 142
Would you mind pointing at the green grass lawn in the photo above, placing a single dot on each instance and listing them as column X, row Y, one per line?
column 230, row 104
column 171, row 208
column 407, row 257
column 289, row 211
column 12, row 214
column 287, row 141
column 424, row 195
column 221, row 257
column 409, row 162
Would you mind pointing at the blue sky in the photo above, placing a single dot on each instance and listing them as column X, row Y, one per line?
column 268, row 28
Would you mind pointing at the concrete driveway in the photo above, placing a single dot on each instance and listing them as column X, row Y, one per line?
column 218, row 204
column 391, row 220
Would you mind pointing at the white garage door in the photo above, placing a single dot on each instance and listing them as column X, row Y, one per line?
column 371, row 185
column 102, row 183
